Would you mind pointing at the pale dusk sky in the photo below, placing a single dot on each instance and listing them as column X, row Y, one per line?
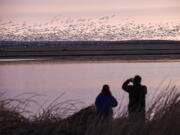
column 159, row 10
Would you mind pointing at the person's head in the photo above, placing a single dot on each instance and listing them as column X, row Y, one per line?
column 137, row 80
column 106, row 90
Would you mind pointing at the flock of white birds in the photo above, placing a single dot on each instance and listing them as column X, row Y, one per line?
column 87, row 29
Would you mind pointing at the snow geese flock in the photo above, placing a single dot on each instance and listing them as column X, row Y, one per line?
column 87, row 29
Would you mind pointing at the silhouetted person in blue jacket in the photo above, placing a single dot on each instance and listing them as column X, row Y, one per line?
column 137, row 96
column 104, row 112
column 105, row 102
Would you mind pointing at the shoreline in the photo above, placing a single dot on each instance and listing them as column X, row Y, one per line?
column 90, row 51
column 84, row 61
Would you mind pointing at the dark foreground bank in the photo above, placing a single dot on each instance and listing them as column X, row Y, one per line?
column 92, row 50
column 162, row 119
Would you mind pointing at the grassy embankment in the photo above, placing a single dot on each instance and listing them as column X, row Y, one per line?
column 163, row 118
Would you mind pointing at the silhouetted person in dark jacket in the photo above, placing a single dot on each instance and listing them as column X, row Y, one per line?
column 137, row 96
column 104, row 112
column 105, row 102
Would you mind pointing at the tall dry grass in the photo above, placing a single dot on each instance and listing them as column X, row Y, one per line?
column 163, row 118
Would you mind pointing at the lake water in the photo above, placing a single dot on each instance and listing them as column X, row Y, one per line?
column 83, row 81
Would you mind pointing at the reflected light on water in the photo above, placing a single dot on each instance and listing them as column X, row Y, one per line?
column 84, row 81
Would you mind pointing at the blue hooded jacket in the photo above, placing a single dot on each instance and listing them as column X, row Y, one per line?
column 104, row 105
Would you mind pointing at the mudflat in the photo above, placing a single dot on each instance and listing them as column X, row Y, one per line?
column 91, row 50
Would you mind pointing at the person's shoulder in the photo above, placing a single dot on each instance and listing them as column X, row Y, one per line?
column 99, row 96
column 144, row 86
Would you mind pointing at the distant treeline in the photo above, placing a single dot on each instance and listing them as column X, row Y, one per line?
column 39, row 43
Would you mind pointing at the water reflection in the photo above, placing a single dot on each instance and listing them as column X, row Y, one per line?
column 83, row 81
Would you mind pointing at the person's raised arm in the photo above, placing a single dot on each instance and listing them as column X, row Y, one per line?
column 126, row 87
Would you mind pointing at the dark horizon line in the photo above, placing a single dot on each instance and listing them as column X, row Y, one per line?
column 4, row 42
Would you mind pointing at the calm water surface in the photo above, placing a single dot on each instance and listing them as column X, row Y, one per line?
column 84, row 81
